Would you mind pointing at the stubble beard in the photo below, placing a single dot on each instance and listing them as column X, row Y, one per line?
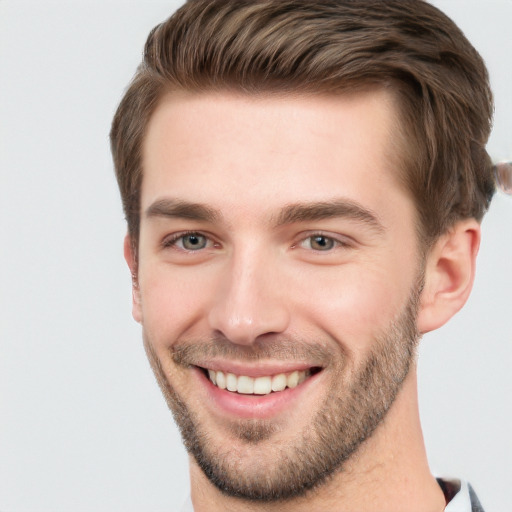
column 347, row 418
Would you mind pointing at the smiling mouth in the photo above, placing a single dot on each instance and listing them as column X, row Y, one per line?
column 265, row 385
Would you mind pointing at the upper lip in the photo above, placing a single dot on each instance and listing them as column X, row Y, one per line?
column 256, row 369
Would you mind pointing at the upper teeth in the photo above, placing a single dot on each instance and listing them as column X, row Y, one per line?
column 259, row 385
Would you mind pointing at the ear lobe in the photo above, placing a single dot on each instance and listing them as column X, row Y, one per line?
column 131, row 259
column 449, row 275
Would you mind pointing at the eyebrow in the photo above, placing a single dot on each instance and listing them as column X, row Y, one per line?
column 304, row 212
column 181, row 209
column 297, row 212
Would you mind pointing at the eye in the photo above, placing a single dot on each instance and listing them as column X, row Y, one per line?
column 193, row 242
column 188, row 241
column 322, row 243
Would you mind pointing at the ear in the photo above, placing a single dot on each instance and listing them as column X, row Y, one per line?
column 131, row 258
column 449, row 275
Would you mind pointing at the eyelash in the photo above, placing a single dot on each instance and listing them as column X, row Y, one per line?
column 173, row 240
column 337, row 243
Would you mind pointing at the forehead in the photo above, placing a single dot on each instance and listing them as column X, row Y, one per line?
column 216, row 148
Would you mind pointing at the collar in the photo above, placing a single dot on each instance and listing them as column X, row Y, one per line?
column 457, row 495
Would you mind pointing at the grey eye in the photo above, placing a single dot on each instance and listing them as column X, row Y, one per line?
column 194, row 242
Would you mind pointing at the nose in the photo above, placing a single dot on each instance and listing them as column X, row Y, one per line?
column 249, row 301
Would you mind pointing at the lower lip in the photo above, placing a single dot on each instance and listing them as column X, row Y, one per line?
column 253, row 406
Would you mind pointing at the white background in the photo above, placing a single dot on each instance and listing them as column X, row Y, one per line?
column 82, row 424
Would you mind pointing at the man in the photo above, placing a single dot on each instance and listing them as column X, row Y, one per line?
column 303, row 183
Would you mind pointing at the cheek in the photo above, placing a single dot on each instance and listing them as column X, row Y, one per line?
column 172, row 303
column 355, row 306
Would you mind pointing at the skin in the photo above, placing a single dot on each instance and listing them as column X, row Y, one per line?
column 262, row 280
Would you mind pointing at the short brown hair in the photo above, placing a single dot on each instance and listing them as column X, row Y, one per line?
column 329, row 46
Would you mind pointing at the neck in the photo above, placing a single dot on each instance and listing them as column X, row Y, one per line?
column 388, row 473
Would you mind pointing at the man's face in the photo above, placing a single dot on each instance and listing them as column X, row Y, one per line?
column 277, row 257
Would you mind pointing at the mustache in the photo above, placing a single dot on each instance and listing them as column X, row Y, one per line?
column 196, row 353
